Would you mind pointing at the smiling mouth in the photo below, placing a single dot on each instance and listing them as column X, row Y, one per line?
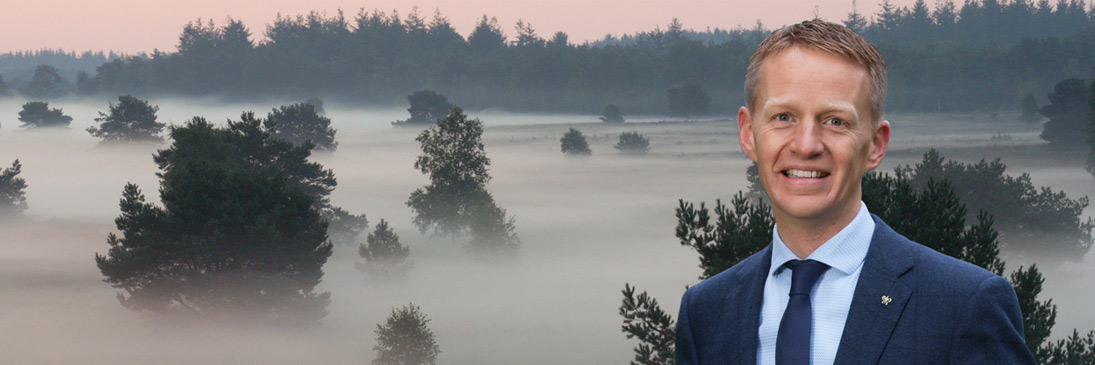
column 804, row 174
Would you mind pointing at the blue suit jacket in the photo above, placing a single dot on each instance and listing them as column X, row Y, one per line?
column 942, row 311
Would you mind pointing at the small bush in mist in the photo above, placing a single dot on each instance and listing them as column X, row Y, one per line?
column 632, row 143
column 574, row 143
column 13, row 191
column 427, row 106
column 239, row 231
column 38, row 114
column 1067, row 112
column 612, row 114
column 45, row 84
column 300, row 123
column 1029, row 108
column 404, row 338
column 131, row 120
column 645, row 320
column 385, row 258
column 687, row 100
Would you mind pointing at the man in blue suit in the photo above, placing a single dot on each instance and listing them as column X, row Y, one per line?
column 836, row 285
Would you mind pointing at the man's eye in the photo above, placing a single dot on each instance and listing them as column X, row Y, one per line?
column 783, row 118
column 835, row 121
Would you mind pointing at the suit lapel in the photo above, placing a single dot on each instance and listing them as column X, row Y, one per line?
column 879, row 299
column 750, row 296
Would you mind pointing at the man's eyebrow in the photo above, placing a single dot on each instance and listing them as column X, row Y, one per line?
column 846, row 108
column 788, row 103
column 783, row 103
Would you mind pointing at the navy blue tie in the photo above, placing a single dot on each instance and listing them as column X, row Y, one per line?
column 793, row 341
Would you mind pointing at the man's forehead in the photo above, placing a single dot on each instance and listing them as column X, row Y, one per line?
column 785, row 74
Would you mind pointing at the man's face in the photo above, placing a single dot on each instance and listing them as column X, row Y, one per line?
column 811, row 134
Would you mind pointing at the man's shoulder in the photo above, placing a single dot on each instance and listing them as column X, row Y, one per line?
column 929, row 265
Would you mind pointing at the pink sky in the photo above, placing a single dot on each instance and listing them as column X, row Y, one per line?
column 144, row 25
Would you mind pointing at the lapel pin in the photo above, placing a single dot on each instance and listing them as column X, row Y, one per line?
column 886, row 300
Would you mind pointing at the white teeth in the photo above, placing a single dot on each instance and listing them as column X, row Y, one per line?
column 803, row 174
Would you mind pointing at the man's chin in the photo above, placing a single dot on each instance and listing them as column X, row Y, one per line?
column 805, row 208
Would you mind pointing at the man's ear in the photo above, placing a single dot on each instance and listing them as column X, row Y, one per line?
column 879, row 142
column 745, row 134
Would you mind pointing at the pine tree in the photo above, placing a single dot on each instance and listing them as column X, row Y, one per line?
column 756, row 189
column 736, row 234
column 300, row 123
column 13, row 194
column 1068, row 113
column 612, row 114
column 645, row 320
column 237, row 235
column 1038, row 316
column 574, row 143
column 1033, row 220
column 45, row 84
column 526, row 36
column 38, row 114
column 404, row 339
column 385, row 258
column 856, row 22
column 131, row 120
column 426, row 107
column 739, row 231
column 1074, row 350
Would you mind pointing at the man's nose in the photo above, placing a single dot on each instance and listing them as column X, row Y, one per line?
column 806, row 139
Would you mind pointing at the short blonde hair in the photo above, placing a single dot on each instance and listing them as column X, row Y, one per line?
column 826, row 37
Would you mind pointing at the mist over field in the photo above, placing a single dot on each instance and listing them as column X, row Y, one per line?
column 587, row 226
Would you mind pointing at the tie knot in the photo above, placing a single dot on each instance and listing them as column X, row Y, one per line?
column 804, row 275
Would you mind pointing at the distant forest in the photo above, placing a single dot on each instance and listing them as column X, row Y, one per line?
column 982, row 55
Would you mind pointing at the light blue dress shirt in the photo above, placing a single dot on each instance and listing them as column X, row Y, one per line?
column 831, row 296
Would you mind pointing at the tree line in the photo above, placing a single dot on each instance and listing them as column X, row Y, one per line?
column 981, row 55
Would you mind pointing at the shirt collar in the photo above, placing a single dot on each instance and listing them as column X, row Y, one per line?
column 844, row 252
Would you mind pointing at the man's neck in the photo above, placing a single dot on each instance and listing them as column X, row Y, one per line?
column 803, row 236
